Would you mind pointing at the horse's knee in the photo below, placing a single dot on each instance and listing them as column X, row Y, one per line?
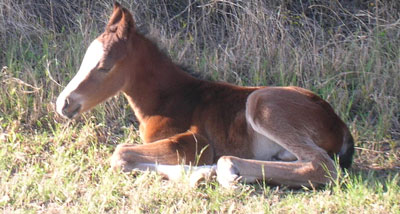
column 118, row 160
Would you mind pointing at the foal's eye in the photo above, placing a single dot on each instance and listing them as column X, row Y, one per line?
column 103, row 70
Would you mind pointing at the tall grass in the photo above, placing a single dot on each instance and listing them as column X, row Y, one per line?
column 346, row 52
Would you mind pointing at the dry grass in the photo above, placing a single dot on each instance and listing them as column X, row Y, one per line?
column 346, row 52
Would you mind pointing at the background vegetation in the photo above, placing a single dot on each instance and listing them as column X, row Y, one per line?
column 345, row 51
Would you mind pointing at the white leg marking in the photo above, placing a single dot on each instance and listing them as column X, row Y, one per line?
column 227, row 175
column 202, row 173
column 178, row 172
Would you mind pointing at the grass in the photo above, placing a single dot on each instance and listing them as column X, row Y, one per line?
column 43, row 173
column 348, row 54
column 46, row 173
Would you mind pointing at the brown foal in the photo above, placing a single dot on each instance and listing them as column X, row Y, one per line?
column 284, row 135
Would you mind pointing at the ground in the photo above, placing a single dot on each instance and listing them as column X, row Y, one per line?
column 347, row 54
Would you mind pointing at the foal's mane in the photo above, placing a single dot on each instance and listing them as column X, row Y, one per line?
column 187, row 68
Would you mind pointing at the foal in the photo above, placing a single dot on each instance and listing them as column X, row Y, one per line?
column 285, row 135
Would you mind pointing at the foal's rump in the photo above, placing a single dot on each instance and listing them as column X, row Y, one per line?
column 297, row 116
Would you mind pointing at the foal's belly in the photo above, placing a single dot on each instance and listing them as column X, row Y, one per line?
column 266, row 149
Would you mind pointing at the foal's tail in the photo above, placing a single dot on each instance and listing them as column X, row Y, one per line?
column 347, row 151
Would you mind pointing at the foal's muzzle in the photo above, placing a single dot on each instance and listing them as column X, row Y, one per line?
column 69, row 110
column 68, row 107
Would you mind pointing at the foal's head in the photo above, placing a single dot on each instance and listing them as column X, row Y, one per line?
column 103, row 71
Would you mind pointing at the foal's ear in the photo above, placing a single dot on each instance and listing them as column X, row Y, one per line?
column 121, row 22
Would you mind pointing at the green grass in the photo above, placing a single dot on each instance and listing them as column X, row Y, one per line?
column 69, row 173
column 51, row 165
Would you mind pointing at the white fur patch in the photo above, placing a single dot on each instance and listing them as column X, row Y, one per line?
column 92, row 57
column 177, row 172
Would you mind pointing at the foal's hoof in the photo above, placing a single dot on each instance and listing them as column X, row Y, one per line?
column 202, row 175
column 227, row 174
column 228, row 181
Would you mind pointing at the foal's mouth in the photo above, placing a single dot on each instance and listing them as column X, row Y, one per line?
column 73, row 113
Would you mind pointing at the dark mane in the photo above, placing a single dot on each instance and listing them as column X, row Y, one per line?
column 146, row 33
column 199, row 75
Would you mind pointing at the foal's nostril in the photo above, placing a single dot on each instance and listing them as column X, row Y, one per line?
column 70, row 108
column 66, row 101
column 64, row 108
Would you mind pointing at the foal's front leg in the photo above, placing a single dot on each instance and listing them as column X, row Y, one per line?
column 166, row 155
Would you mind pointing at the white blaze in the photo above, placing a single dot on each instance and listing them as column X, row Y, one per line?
column 92, row 57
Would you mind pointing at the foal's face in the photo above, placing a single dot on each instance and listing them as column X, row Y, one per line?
column 101, row 74
column 94, row 82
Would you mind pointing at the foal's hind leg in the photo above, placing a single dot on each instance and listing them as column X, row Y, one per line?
column 313, row 166
column 164, row 156
column 295, row 122
column 315, row 171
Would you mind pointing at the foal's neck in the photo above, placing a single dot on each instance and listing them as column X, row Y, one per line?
column 154, row 79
